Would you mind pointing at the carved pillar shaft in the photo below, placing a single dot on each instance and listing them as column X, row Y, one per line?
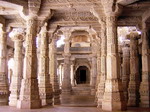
column 113, row 96
column 29, row 93
column 72, row 75
column 133, row 89
column 101, row 85
column 53, row 72
column 18, row 70
column 45, row 88
column 66, row 84
column 125, row 69
column 145, row 84
column 94, row 74
column 4, row 92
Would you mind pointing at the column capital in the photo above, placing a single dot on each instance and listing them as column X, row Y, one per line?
column 133, row 35
column 18, row 36
column 111, row 8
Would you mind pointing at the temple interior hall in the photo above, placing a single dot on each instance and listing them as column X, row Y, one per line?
column 74, row 55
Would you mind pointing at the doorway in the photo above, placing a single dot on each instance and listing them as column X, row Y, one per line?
column 82, row 75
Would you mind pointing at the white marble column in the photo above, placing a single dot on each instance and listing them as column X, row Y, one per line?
column 53, row 71
column 101, row 85
column 66, row 83
column 72, row 74
column 15, row 86
column 133, row 89
column 94, row 74
column 113, row 98
column 29, row 93
column 45, row 88
column 4, row 90
column 125, row 68
column 145, row 84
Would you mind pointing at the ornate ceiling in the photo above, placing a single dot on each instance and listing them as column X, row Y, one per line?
column 70, row 13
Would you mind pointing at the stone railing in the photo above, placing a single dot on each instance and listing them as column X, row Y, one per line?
column 76, row 49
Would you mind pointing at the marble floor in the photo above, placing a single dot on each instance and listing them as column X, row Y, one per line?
column 65, row 109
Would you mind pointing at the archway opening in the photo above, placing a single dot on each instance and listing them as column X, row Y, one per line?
column 82, row 75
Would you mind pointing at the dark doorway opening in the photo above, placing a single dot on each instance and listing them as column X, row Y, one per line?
column 82, row 75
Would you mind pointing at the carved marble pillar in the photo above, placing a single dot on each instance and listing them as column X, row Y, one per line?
column 113, row 98
column 15, row 86
column 66, row 83
column 94, row 74
column 125, row 68
column 72, row 74
column 133, row 89
column 145, row 84
column 4, row 90
column 53, row 72
column 29, row 93
column 45, row 88
column 101, row 85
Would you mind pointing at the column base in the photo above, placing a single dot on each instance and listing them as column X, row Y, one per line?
column 3, row 99
column 144, row 95
column 13, row 102
column 34, row 104
column 113, row 99
column 47, row 102
column 113, row 106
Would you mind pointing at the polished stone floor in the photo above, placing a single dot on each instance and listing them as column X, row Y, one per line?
column 65, row 109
